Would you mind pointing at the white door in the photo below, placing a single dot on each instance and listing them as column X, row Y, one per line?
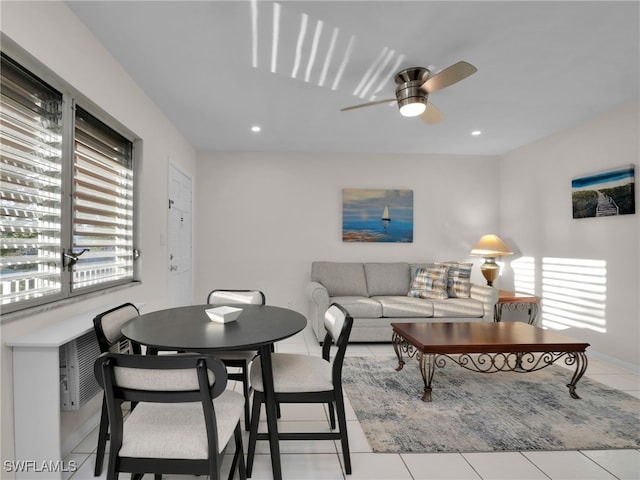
column 180, row 250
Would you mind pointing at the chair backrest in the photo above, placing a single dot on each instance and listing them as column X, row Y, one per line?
column 161, row 378
column 180, row 378
column 108, row 327
column 222, row 296
column 334, row 320
column 338, row 324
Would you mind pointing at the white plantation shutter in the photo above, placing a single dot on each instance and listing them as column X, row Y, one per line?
column 31, row 185
column 102, row 203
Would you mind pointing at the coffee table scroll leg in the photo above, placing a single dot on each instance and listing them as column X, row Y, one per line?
column 427, row 365
column 581, row 367
column 397, row 342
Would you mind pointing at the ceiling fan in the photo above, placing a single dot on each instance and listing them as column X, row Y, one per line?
column 413, row 86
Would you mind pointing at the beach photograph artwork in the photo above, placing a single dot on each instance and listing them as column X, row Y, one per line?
column 371, row 215
column 605, row 193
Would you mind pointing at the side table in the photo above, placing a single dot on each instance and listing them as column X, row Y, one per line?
column 517, row 302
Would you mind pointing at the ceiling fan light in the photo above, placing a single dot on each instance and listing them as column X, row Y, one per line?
column 412, row 101
column 413, row 109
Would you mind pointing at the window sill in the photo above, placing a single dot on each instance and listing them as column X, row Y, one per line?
column 47, row 307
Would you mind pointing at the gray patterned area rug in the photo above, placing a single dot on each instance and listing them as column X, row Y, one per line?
column 478, row 412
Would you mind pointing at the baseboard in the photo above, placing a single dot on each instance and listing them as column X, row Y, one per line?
column 614, row 361
column 72, row 441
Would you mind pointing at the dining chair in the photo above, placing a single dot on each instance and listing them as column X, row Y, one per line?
column 184, row 418
column 238, row 358
column 107, row 326
column 299, row 378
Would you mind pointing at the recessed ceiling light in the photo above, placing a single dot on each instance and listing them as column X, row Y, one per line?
column 256, row 128
column 475, row 133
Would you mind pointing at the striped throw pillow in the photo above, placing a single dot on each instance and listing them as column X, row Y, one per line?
column 458, row 279
column 429, row 282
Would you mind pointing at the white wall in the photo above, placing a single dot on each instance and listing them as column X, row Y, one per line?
column 53, row 34
column 536, row 218
column 262, row 218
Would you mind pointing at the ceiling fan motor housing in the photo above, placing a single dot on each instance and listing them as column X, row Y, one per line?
column 412, row 74
column 408, row 89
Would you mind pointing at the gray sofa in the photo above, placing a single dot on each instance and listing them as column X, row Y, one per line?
column 376, row 294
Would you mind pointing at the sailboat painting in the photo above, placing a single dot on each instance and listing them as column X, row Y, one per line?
column 371, row 215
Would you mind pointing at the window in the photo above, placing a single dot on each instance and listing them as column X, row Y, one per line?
column 67, row 192
column 102, row 203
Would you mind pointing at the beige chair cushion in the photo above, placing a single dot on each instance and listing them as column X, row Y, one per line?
column 225, row 296
column 294, row 373
column 160, row 380
column 334, row 320
column 112, row 322
column 160, row 430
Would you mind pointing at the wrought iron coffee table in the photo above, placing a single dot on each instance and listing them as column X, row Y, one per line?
column 486, row 347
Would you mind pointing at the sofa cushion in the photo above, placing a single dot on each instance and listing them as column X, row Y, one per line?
column 387, row 278
column 457, row 307
column 359, row 306
column 340, row 279
column 458, row 279
column 402, row 306
column 430, row 282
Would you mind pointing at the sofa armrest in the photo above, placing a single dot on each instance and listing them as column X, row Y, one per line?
column 488, row 296
column 319, row 304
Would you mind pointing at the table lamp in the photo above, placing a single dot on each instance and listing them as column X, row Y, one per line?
column 490, row 247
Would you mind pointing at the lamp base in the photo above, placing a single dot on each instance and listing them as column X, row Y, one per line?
column 490, row 270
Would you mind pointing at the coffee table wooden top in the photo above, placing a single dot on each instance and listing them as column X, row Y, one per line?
column 485, row 337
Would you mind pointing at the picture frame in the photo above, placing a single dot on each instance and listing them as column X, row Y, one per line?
column 377, row 215
column 605, row 193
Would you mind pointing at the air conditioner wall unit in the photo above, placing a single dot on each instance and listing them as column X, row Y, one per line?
column 78, row 384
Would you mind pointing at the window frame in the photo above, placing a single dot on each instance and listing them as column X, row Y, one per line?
column 71, row 98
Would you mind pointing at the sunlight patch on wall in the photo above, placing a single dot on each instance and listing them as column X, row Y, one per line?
column 524, row 275
column 574, row 293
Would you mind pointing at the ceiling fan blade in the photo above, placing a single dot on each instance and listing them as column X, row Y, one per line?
column 432, row 114
column 448, row 76
column 370, row 104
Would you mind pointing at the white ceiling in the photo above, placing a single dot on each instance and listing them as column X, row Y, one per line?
column 216, row 68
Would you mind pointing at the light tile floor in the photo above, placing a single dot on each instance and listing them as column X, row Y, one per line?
column 322, row 460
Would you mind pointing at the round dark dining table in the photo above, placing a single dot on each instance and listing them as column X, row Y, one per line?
column 190, row 329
